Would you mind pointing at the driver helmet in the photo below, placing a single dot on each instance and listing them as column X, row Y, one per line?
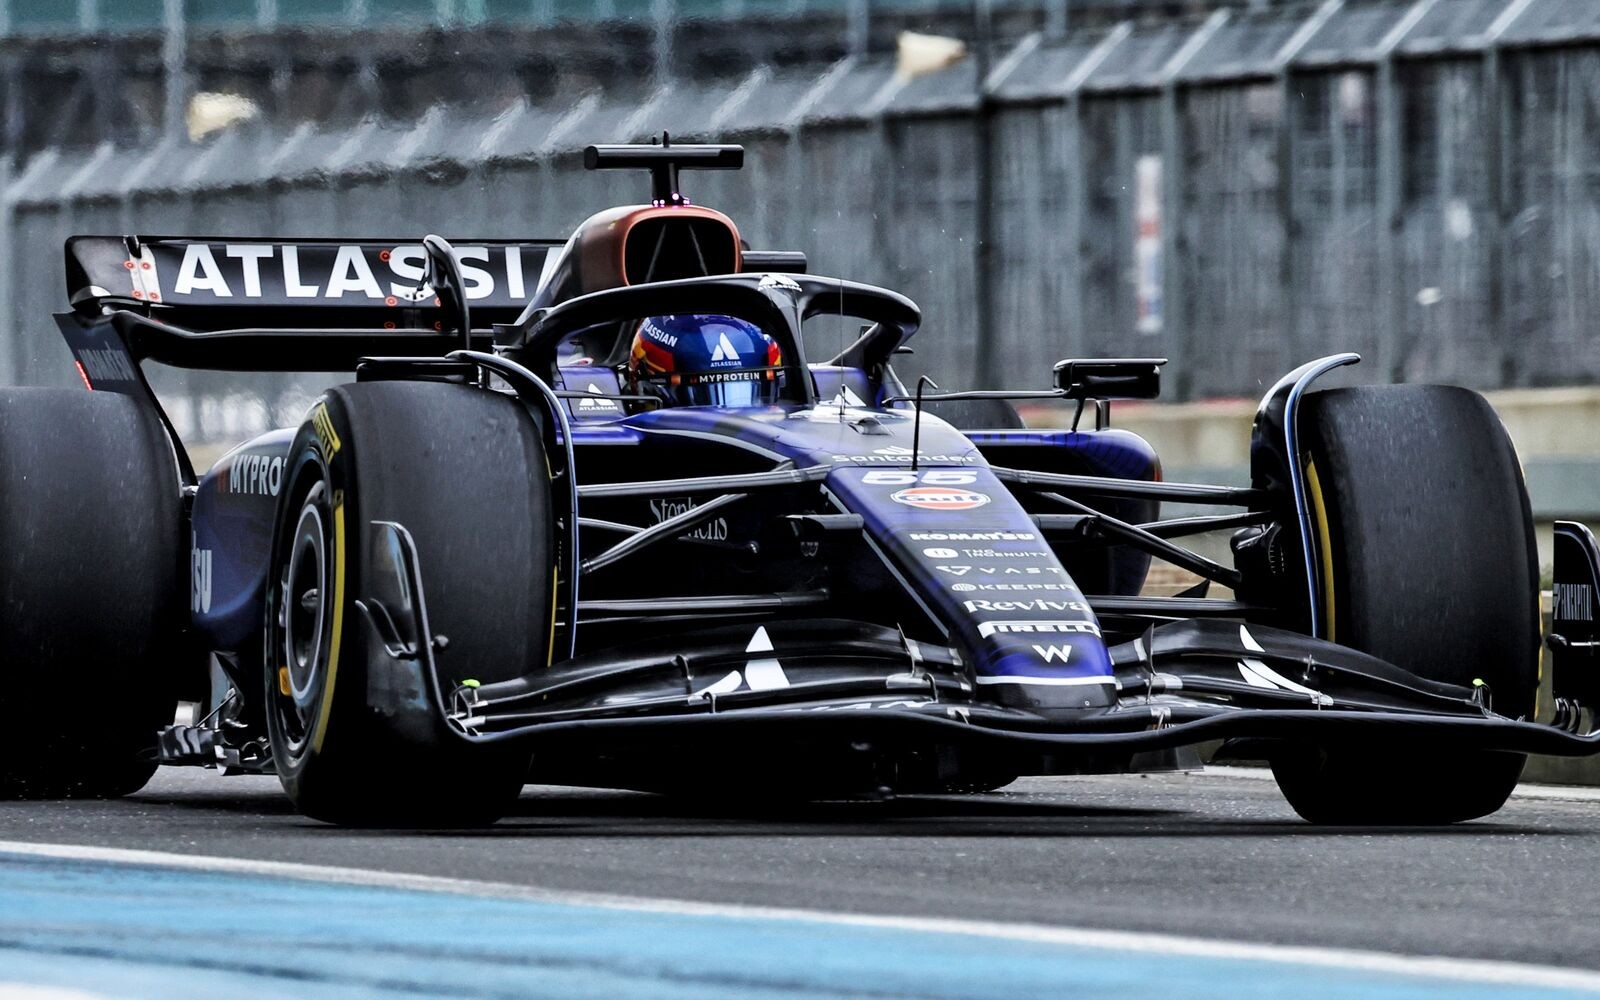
column 694, row 359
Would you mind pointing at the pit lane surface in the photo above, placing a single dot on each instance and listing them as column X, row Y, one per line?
column 1202, row 856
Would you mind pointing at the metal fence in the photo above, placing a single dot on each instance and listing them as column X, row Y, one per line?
column 1416, row 181
column 89, row 16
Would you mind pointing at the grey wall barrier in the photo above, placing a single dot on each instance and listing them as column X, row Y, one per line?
column 1416, row 181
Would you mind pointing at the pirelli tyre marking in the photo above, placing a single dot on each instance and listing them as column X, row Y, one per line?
column 326, row 705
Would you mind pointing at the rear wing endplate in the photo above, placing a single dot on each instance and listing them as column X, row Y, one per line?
column 1574, row 638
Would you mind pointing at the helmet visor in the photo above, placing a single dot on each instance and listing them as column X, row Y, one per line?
column 755, row 388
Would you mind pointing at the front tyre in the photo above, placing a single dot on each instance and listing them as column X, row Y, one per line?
column 1429, row 563
column 355, row 737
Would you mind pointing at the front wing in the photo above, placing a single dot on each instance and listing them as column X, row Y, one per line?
column 778, row 685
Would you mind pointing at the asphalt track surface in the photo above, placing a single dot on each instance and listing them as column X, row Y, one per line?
column 1204, row 856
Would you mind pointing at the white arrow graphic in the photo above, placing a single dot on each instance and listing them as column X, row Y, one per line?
column 758, row 675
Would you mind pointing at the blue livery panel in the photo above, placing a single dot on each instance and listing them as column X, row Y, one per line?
column 978, row 564
column 234, row 507
column 949, row 532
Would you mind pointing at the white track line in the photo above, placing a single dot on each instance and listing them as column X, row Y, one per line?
column 1464, row 970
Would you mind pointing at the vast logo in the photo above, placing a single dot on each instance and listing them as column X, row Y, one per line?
column 987, row 629
column 1002, row 570
column 940, row 498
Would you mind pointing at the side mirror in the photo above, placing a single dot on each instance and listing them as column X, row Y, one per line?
column 1110, row 378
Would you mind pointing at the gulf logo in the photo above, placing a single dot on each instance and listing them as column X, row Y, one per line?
column 940, row 498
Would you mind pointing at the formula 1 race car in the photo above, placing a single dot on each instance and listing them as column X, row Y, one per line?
column 605, row 512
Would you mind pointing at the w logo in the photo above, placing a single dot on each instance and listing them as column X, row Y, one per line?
column 724, row 351
column 1053, row 654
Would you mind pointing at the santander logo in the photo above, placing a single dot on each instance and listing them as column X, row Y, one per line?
column 940, row 498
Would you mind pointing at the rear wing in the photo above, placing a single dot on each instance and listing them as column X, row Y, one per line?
column 242, row 304
column 224, row 284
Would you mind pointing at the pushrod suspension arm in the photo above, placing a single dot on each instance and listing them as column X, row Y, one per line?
column 1151, row 543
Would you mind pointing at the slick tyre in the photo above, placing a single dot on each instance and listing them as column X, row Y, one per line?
column 1428, row 562
column 91, row 592
column 356, row 739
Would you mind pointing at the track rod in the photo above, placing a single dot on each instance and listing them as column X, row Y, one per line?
column 706, row 484
column 1233, row 496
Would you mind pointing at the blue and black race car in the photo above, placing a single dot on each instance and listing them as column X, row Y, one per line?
column 607, row 511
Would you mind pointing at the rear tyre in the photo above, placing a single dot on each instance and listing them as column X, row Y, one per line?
column 355, row 737
column 91, row 603
column 1429, row 563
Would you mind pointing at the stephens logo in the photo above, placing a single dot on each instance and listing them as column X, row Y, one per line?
column 715, row 530
column 940, row 498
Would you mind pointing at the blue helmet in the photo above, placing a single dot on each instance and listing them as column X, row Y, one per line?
column 705, row 360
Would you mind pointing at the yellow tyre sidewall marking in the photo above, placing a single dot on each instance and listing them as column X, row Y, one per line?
column 555, row 596
column 1324, row 544
column 555, row 584
column 326, row 706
